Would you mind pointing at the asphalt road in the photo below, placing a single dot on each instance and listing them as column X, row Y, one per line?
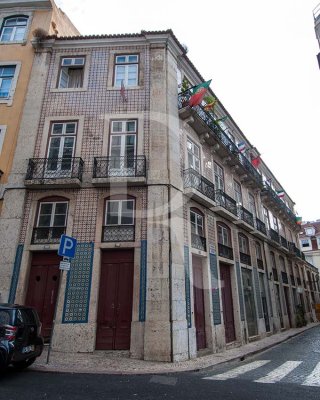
column 286, row 372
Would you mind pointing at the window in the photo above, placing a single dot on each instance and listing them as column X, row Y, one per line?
column 13, row 29
column 243, row 244
column 51, row 221
column 6, row 77
column 2, row 133
column 218, row 177
column 266, row 217
column 275, row 223
column 71, row 72
column 122, row 147
column 193, row 155
column 119, row 212
column 196, row 220
column 252, row 205
column 305, row 243
column 258, row 251
column 282, row 264
column 224, row 235
column 61, row 146
column 237, row 192
column 318, row 240
column 126, row 70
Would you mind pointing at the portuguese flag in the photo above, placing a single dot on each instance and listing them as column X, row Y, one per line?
column 198, row 93
column 299, row 220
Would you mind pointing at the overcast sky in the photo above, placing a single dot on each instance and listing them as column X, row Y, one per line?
column 261, row 57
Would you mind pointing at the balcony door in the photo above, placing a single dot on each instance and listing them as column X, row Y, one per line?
column 122, row 148
column 61, row 150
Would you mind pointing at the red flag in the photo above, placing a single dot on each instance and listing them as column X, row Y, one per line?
column 123, row 92
column 256, row 161
column 198, row 93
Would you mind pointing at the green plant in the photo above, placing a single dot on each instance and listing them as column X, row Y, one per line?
column 185, row 85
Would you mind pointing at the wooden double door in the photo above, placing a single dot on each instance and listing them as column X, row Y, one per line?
column 115, row 300
column 43, row 288
column 199, row 307
column 227, row 302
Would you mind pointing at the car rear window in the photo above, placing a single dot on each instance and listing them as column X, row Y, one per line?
column 26, row 316
column 5, row 317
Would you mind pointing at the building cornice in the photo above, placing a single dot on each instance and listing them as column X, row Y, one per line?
column 33, row 4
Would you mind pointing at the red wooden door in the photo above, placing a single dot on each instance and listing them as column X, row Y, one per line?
column 43, row 288
column 115, row 301
column 227, row 303
column 199, row 313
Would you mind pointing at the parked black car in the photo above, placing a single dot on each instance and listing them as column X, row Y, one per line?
column 20, row 339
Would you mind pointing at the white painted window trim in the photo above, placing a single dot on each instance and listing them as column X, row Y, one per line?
column 26, row 33
column 3, row 129
column 9, row 99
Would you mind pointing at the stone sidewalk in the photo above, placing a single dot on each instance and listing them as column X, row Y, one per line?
column 118, row 362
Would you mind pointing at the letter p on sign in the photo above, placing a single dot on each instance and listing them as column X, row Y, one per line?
column 67, row 246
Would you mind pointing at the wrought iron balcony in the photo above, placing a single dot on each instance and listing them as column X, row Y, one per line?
column 261, row 226
column 111, row 166
column 275, row 274
column 198, row 242
column 216, row 135
column 274, row 235
column 284, row 277
column 192, row 179
column 55, row 168
column 227, row 202
column 118, row 233
column 284, row 242
column 245, row 215
column 225, row 251
column 293, row 283
column 42, row 235
column 245, row 258
column 297, row 252
column 260, row 263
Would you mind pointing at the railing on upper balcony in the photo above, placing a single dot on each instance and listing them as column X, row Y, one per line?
column 55, row 168
column 219, row 134
column 245, row 258
column 260, row 263
column 113, row 166
column 245, row 215
column 192, row 179
column 284, row 242
column 226, row 202
column 274, row 235
column 261, row 226
column 198, row 242
column 225, row 251
column 284, row 277
column 118, row 233
column 42, row 235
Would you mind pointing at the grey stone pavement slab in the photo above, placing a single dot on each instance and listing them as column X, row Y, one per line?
column 119, row 362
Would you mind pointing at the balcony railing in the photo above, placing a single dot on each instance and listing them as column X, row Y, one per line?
column 226, row 202
column 293, row 283
column 192, row 179
column 219, row 135
column 107, row 167
column 55, row 168
column 225, row 251
column 284, row 242
column 275, row 274
column 245, row 215
column 260, row 263
column 297, row 252
column 245, row 258
column 261, row 226
column 284, row 277
column 198, row 242
column 274, row 235
column 118, row 233
column 47, row 235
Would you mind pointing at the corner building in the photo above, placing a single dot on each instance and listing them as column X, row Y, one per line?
column 183, row 245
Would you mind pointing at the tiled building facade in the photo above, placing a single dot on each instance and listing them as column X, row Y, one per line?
column 182, row 244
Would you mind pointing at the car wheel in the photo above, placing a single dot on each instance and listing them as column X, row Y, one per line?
column 24, row 364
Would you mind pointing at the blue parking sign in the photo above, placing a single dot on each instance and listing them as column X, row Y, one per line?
column 67, row 246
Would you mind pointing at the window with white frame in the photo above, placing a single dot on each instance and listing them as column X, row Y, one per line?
column 224, row 235
column 197, row 223
column 126, row 70
column 61, row 146
column 275, row 223
column 193, row 155
column 71, row 72
column 266, row 217
column 2, row 133
column 243, row 244
column 13, row 29
column 119, row 212
column 258, row 251
column 306, row 243
column 252, row 205
column 218, row 177
column 237, row 192
column 122, row 146
column 318, row 241
column 7, row 73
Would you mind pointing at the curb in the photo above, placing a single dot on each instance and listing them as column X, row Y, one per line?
column 44, row 369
